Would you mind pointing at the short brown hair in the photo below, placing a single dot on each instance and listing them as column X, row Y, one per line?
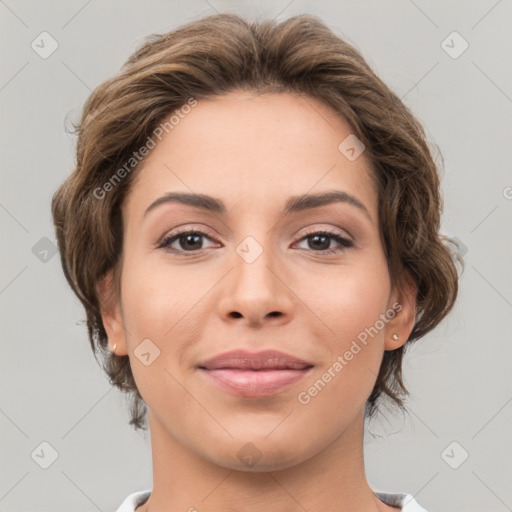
column 216, row 55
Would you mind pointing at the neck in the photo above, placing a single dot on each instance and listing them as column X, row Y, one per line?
column 332, row 480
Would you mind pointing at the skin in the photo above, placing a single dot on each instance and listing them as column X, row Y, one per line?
column 253, row 152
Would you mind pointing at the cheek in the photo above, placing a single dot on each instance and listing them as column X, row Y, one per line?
column 156, row 319
column 350, row 299
column 157, row 297
column 163, row 316
column 352, row 305
column 353, row 347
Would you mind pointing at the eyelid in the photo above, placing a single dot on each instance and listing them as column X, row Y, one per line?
column 330, row 230
column 186, row 228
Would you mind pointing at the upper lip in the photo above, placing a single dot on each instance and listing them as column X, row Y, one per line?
column 263, row 360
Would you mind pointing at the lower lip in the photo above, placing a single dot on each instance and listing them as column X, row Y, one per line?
column 255, row 384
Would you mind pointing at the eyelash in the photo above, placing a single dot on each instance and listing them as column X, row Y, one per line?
column 344, row 242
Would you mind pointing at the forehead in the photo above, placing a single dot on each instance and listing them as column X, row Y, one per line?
column 254, row 150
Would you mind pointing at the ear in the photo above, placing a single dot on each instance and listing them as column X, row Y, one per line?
column 111, row 314
column 403, row 302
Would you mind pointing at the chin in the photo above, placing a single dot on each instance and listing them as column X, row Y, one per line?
column 258, row 454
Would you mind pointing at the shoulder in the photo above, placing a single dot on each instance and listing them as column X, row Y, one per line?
column 406, row 502
column 132, row 501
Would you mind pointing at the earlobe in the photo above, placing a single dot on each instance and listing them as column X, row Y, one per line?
column 399, row 328
column 111, row 315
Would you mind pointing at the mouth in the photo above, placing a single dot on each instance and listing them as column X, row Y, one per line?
column 254, row 375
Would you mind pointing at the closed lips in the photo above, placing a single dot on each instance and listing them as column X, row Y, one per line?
column 260, row 361
column 254, row 375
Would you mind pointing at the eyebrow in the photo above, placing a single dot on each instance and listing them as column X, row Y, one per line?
column 294, row 204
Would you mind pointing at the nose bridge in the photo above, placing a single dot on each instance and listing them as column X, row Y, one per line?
column 255, row 290
column 256, row 249
column 255, row 256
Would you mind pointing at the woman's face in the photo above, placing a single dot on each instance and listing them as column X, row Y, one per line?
column 255, row 278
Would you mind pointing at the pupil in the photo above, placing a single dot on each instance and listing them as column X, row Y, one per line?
column 190, row 238
column 316, row 237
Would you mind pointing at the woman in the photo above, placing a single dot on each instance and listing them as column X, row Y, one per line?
column 253, row 229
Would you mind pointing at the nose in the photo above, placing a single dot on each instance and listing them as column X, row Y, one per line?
column 255, row 291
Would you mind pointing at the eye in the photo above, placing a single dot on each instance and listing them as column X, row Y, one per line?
column 320, row 242
column 186, row 240
column 190, row 241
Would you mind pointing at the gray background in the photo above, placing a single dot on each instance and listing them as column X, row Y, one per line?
column 52, row 388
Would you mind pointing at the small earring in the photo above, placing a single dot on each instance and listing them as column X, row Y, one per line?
column 114, row 347
column 395, row 337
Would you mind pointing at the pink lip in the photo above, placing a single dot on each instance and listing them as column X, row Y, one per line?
column 254, row 383
column 263, row 360
column 258, row 374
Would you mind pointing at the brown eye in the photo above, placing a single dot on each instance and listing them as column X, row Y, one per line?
column 186, row 241
column 320, row 242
